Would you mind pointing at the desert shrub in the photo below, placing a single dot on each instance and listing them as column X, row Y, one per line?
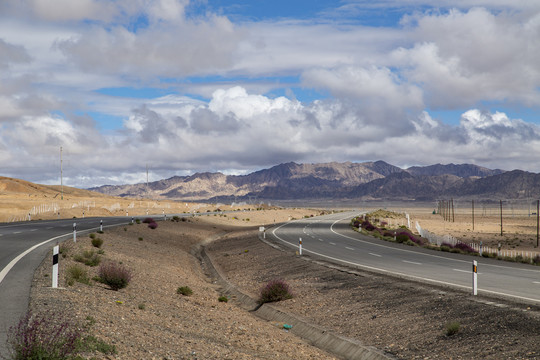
column 275, row 290
column 184, row 290
column 536, row 260
column 138, row 221
column 452, row 328
column 445, row 248
column 88, row 258
column 465, row 248
column 142, row 306
column 366, row 225
column 140, row 238
column 152, row 225
column 401, row 238
column 115, row 275
column 223, row 299
column 92, row 236
column 410, row 243
column 97, row 242
column 77, row 273
column 92, row 344
column 44, row 336
column 148, row 220
column 176, row 218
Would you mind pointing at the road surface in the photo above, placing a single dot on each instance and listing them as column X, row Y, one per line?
column 332, row 238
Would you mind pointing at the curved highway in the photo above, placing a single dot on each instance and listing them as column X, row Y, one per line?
column 332, row 238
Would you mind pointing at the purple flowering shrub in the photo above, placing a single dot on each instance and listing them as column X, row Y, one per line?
column 115, row 275
column 44, row 336
column 275, row 290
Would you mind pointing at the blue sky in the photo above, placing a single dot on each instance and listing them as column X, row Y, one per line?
column 236, row 86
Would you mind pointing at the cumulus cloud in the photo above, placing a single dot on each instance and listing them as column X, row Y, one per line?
column 378, row 82
column 167, row 49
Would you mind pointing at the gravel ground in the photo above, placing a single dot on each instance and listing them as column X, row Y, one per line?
column 149, row 320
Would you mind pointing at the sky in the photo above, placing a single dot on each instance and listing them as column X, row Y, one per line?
column 102, row 90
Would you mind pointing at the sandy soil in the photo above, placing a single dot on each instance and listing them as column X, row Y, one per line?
column 149, row 320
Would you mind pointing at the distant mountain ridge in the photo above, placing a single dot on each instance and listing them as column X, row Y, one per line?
column 367, row 180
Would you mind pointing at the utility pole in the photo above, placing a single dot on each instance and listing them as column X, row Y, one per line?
column 473, row 215
column 61, row 176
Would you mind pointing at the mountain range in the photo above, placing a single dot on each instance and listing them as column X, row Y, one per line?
column 368, row 181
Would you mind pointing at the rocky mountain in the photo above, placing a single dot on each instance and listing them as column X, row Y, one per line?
column 367, row 180
column 461, row 170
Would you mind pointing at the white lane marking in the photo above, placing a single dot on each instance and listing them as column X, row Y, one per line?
column 321, row 240
column 411, row 262
column 32, row 230
column 50, row 227
column 377, row 255
column 17, row 232
column 332, row 243
column 536, row 282
column 349, row 248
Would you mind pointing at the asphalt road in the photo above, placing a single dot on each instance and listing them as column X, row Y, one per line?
column 23, row 246
column 332, row 238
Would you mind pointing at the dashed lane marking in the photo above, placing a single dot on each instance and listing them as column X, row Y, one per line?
column 412, row 262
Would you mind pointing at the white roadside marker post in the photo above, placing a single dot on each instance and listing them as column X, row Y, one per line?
column 55, row 267
column 300, row 246
column 101, row 225
column 74, row 232
column 475, row 278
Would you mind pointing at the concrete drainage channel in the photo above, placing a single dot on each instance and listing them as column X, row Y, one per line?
column 323, row 339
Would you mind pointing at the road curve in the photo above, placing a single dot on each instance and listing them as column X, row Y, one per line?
column 332, row 238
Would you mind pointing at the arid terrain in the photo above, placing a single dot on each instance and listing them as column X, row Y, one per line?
column 149, row 320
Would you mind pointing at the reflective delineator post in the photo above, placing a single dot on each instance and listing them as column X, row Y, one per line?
column 300, row 246
column 74, row 232
column 101, row 225
column 55, row 267
column 475, row 278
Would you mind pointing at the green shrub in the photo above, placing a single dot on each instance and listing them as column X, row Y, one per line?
column 402, row 238
column 452, row 328
column 92, row 236
column 88, row 258
column 92, row 344
column 275, row 290
column 140, row 238
column 97, row 242
column 223, row 299
column 142, row 306
column 115, row 275
column 138, row 221
column 184, row 290
column 77, row 273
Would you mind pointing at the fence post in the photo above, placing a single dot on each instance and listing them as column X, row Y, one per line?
column 55, row 267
